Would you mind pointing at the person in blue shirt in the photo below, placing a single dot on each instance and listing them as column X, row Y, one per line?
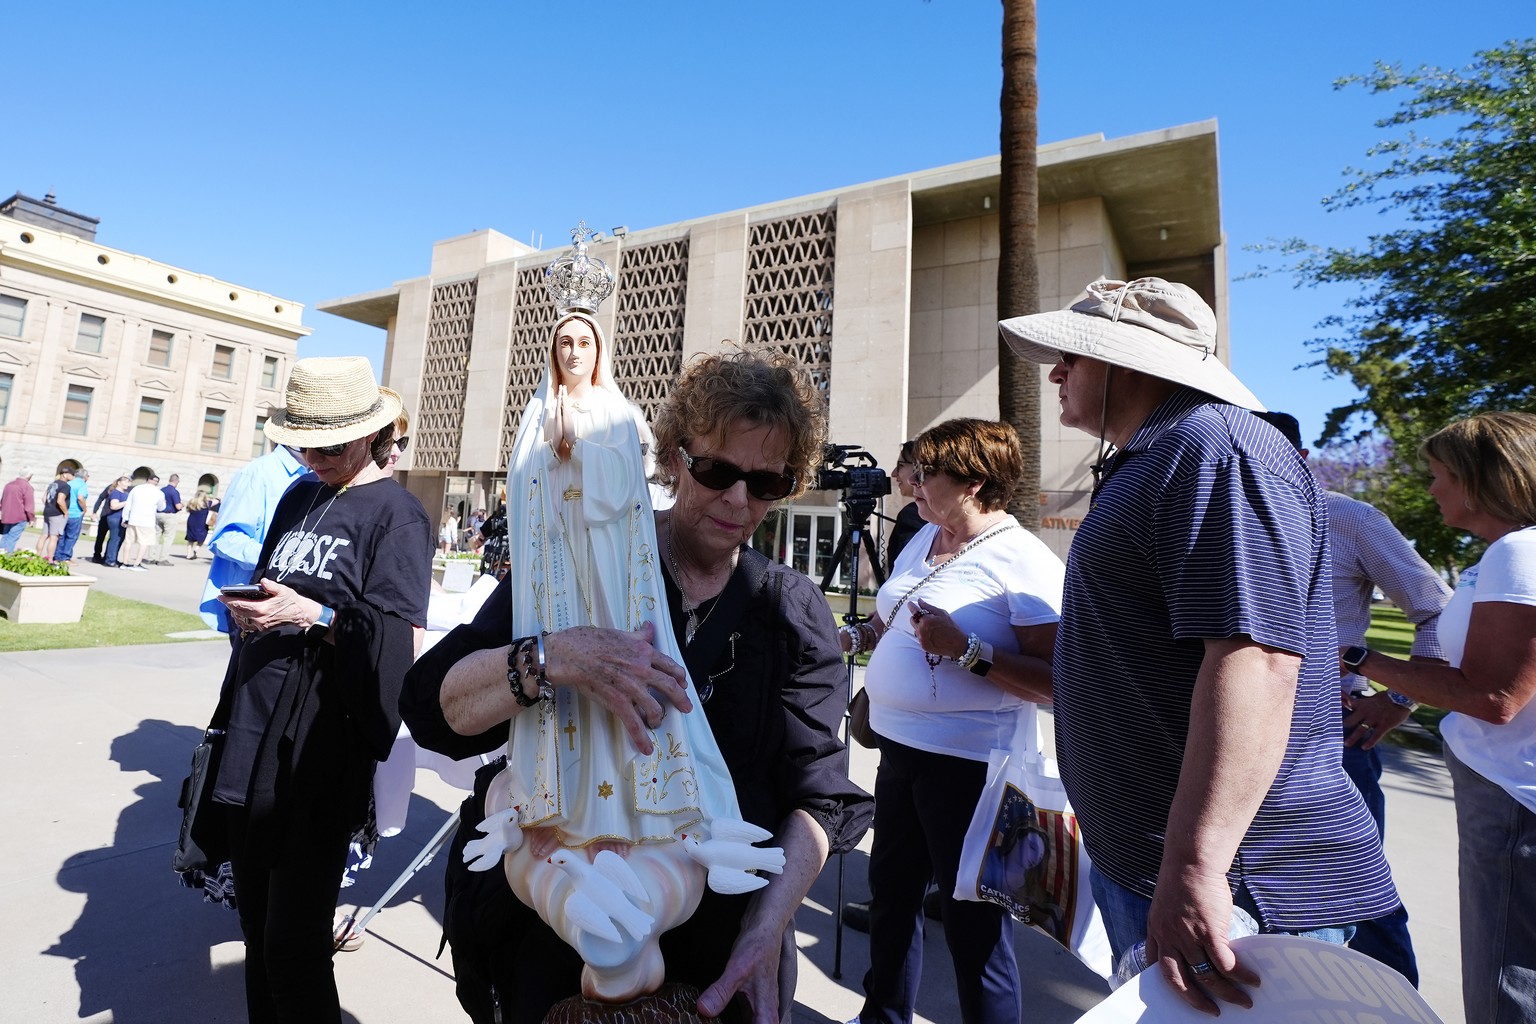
column 79, row 494
column 242, row 527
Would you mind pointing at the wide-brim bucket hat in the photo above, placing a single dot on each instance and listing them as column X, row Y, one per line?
column 331, row 400
column 1149, row 325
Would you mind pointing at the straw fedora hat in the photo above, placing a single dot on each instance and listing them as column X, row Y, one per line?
column 331, row 401
column 1150, row 325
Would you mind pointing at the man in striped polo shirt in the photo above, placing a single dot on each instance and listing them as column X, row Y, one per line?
column 1196, row 667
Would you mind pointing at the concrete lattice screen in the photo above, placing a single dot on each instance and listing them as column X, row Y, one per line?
column 438, row 430
column 790, row 264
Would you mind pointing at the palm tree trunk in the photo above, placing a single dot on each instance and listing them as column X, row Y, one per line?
column 1018, row 273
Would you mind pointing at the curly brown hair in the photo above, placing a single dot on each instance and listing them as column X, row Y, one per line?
column 974, row 451
column 1493, row 457
column 716, row 391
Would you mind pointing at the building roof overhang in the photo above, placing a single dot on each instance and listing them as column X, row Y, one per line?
column 1153, row 183
column 1161, row 190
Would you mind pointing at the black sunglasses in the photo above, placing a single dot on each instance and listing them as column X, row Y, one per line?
column 330, row 451
column 719, row 475
column 403, row 442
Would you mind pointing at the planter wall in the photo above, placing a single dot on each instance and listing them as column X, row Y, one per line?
column 31, row 599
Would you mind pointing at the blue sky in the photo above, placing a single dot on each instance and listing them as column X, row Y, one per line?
column 317, row 150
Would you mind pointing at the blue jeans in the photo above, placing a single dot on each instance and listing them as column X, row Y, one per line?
column 1496, row 862
column 66, row 549
column 1125, row 915
column 1384, row 939
column 12, row 535
column 114, row 538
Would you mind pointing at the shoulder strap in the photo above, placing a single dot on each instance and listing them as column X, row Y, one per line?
column 710, row 640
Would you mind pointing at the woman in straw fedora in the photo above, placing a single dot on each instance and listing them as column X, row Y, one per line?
column 313, row 686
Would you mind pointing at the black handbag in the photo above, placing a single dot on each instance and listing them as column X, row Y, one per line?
column 202, row 844
column 199, row 844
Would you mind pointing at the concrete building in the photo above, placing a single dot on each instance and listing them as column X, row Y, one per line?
column 117, row 360
column 887, row 290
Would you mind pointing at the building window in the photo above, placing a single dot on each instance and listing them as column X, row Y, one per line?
column 269, row 371
column 259, row 439
column 77, row 410
column 213, row 429
column 149, row 420
column 13, row 314
column 160, row 348
column 88, row 335
column 223, row 362
column 6, row 380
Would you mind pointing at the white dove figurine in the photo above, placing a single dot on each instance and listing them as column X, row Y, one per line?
column 603, row 893
column 502, row 833
column 729, row 856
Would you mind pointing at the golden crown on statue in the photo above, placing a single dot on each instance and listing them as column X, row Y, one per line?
column 578, row 283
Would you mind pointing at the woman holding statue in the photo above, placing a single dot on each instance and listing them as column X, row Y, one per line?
column 613, row 753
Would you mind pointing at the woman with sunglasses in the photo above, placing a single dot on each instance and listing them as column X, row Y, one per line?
column 401, row 442
column 736, row 435
column 961, row 644
column 311, row 700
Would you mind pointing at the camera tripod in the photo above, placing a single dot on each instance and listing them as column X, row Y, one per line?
column 855, row 535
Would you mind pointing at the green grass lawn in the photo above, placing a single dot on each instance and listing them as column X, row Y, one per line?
column 108, row 621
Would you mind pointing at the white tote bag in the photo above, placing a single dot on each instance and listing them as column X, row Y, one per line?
column 1024, row 853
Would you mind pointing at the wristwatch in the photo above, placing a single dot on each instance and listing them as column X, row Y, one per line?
column 983, row 663
column 1354, row 657
column 323, row 620
column 1402, row 700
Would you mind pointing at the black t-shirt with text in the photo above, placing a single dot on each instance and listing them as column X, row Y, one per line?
column 372, row 543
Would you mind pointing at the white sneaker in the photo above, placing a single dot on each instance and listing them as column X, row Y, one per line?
column 137, row 568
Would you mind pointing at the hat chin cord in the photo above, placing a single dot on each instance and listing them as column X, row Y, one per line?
column 1106, row 447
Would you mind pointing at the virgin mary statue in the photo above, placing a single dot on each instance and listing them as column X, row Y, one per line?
column 594, row 831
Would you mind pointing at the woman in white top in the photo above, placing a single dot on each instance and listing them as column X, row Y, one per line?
column 962, row 644
column 1484, row 479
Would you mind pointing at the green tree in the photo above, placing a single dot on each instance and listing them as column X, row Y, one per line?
column 1444, row 324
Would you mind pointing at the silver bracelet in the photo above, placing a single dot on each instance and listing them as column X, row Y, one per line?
column 972, row 652
column 854, row 637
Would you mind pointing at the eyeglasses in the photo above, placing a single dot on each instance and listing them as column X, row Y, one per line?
column 403, row 442
column 719, row 475
column 921, row 473
column 330, row 451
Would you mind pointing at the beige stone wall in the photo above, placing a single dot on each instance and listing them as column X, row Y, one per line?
column 717, row 271
column 61, row 278
column 870, row 315
column 954, row 336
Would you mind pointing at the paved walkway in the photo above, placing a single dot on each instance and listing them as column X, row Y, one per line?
column 93, row 747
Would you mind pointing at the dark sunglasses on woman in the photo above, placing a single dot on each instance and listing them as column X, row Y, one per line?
column 403, row 442
column 719, row 475
column 330, row 451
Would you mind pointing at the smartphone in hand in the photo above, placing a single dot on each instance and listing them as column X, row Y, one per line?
column 248, row 591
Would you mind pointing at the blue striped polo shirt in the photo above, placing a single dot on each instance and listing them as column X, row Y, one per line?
column 1208, row 525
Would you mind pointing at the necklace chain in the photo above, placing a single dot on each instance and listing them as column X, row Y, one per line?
column 692, row 625
column 304, row 527
column 933, row 660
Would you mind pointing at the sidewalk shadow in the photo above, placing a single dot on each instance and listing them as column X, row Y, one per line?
column 143, row 946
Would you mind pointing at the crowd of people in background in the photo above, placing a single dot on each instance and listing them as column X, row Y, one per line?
column 137, row 518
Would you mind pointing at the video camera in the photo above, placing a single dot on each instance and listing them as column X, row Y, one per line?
column 852, row 470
